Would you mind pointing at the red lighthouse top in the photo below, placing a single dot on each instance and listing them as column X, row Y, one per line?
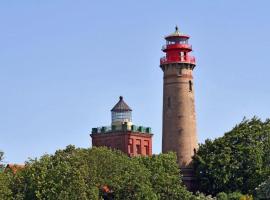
column 177, row 49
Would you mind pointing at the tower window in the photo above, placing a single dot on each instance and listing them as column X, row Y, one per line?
column 146, row 149
column 169, row 102
column 130, row 146
column 138, row 149
column 190, row 86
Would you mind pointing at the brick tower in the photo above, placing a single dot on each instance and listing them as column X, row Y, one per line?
column 179, row 117
column 122, row 134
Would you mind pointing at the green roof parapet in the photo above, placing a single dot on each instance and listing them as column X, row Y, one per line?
column 124, row 127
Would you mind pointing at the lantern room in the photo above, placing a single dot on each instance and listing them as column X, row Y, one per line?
column 177, row 49
column 121, row 113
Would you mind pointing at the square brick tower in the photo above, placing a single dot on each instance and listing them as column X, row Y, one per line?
column 122, row 134
column 179, row 117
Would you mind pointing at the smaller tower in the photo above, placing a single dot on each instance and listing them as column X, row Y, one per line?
column 122, row 134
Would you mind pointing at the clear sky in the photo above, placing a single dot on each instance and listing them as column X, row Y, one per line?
column 64, row 64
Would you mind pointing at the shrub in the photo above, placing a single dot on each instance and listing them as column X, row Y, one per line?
column 234, row 196
column 222, row 196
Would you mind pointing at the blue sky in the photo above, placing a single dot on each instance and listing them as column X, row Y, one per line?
column 63, row 65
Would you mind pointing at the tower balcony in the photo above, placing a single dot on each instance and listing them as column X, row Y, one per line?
column 177, row 46
column 180, row 59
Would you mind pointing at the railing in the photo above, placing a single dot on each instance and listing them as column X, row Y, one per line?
column 123, row 127
column 177, row 46
column 180, row 59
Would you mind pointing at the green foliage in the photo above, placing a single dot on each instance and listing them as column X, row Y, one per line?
column 263, row 190
column 238, row 161
column 5, row 192
column 222, row 196
column 201, row 196
column 165, row 176
column 82, row 173
column 234, row 196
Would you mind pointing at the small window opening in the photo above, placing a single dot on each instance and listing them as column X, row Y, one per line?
column 190, row 85
column 181, row 54
column 169, row 102
column 146, row 150
column 138, row 149
column 130, row 149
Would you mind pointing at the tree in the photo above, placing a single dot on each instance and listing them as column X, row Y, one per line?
column 165, row 176
column 238, row 161
column 80, row 174
column 5, row 192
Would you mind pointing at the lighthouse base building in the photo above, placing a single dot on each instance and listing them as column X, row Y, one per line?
column 122, row 134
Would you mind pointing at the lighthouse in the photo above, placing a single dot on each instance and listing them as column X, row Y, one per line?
column 179, row 116
column 122, row 134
